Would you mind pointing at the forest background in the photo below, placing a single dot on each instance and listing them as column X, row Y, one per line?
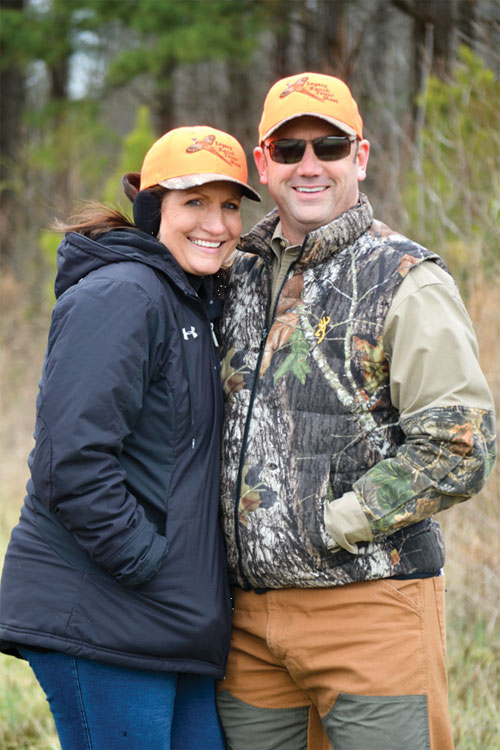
column 87, row 85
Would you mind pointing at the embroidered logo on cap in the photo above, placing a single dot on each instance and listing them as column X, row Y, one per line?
column 316, row 90
column 210, row 144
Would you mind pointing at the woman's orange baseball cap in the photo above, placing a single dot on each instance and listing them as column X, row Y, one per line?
column 314, row 95
column 194, row 155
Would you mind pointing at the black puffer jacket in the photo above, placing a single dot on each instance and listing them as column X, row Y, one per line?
column 118, row 555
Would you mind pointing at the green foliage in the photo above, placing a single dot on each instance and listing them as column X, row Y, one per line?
column 158, row 33
column 296, row 361
column 71, row 137
column 452, row 197
column 88, row 168
column 47, row 32
column 170, row 33
column 15, row 38
column 48, row 243
column 392, row 480
column 134, row 148
column 66, row 160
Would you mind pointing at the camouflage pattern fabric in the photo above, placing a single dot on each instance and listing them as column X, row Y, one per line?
column 309, row 416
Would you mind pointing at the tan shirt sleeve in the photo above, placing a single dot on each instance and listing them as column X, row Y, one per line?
column 431, row 345
column 433, row 354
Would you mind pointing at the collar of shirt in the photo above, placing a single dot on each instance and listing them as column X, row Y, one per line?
column 280, row 244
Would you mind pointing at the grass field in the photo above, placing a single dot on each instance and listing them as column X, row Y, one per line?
column 472, row 535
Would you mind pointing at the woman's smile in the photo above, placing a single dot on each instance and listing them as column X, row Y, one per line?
column 201, row 225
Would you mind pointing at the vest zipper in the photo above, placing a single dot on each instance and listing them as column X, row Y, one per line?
column 265, row 332
column 246, row 583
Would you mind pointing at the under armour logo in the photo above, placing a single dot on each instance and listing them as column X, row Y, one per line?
column 192, row 333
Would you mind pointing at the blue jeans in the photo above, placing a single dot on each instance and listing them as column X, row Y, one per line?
column 97, row 706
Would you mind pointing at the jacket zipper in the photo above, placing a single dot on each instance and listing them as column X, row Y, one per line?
column 213, row 363
column 265, row 332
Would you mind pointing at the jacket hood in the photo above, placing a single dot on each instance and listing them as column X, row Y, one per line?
column 77, row 256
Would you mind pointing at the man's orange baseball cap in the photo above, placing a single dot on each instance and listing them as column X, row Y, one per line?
column 190, row 156
column 314, row 95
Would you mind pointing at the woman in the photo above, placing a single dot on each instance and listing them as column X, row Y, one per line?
column 114, row 585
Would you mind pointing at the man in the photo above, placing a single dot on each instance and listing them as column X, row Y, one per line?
column 356, row 409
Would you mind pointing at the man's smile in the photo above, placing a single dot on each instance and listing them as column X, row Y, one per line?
column 318, row 189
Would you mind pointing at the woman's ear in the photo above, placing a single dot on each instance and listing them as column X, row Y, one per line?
column 147, row 212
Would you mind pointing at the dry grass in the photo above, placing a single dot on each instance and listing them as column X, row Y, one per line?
column 472, row 530
column 472, row 534
column 25, row 720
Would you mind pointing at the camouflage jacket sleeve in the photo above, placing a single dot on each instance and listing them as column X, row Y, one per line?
column 446, row 414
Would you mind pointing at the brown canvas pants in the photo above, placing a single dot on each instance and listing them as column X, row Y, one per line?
column 357, row 667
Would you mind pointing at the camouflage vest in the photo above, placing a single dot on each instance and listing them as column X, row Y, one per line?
column 308, row 407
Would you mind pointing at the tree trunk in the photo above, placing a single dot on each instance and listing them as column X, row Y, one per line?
column 163, row 109
column 281, row 22
column 12, row 135
column 467, row 13
column 336, row 57
column 443, row 19
column 241, row 106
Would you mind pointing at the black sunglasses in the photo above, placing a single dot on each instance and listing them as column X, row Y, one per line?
column 326, row 148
